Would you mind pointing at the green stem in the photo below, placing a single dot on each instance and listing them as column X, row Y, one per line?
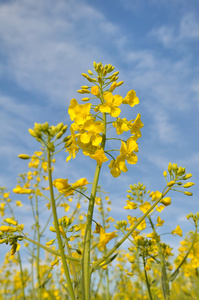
column 21, row 275
column 146, row 278
column 87, row 239
column 86, row 274
column 56, row 224
column 50, row 250
column 165, row 281
column 38, row 249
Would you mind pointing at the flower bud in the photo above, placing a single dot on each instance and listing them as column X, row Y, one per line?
column 11, row 221
column 120, row 83
column 32, row 132
column 170, row 168
column 188, row 184
column 170, row 183
column 85, row 99
column 187, row 176
column 90, row 72
column 166, row 201
column 188, row 193
column 165, row 173
column 64, row 128
column 24, row 156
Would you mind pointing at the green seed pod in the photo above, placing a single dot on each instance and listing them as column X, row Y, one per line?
column 59, row 135
column 13, row 249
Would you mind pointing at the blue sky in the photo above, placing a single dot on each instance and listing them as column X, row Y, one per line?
column 46, row 45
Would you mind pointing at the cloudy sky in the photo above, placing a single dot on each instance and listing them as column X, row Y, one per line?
column 46, row 45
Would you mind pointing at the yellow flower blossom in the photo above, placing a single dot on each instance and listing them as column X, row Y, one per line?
column 136, row 126
column 95, row 90
column 142, row 225
column 145, row 207
column 11, row 221
column 20, row 190
column 111, row 104
column 177, row 231
column 99, row 156
column 159, row 222
column 93, row 128
column 121, row 125
column 166, row 201
column 130, row 205
column 79, row 112
column 127, row 153
column 4, row 228
column 104, row 237
column 114, row 169
column 18, row 203
column 63, row 186
column 155, row 195
column 2, row 208
column 131, row 98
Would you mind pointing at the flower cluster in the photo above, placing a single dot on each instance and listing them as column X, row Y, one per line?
column 89, row 127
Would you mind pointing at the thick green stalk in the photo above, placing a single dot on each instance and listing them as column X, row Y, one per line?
column 87, row 240
column 86, row 274
column 56, row 224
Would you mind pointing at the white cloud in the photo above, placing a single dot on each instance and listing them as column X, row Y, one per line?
column 172, row 35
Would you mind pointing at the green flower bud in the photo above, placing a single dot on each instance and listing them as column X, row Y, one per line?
column 24, row 156
column 64, row 128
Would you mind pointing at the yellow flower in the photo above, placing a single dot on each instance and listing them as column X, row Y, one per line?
column 2, row 208
column 127, row 153
column 121, row 125
column 145, row 207
column 177, row 231
column 63, row 186
column 131, row 98
column 79, row 183
column 79, row 112
column 95, row 90
column 155, row 195
column 159, row 222
column 11, row 221
column 99, row 156
column 114, row 168
column 92, row 132
column 7, row 228
column 18, row 203
column 104, row 237
column 166, row 201
column 136, row 126
column 130, row 205
column 142, row 225
column 20, row 190
column 111, row 104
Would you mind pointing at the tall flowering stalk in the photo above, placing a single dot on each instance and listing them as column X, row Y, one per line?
column 89, row 133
